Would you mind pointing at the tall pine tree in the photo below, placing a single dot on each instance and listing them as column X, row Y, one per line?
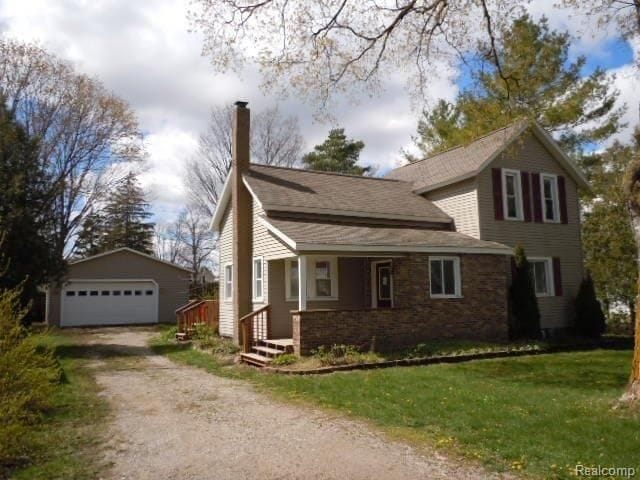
column 125, row 218
column 26, row 246
column 336, row 154
column 538, row 82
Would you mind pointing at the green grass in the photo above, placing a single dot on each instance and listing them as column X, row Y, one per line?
column 69, row 439
column 540, row 415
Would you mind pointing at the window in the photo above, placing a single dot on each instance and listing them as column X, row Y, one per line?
column 71, row 293
column 444, row 275
column 550, row 204
column 292, row 279
column 116, row 293
column 512, row 194
column 257, row 278
column 542, row 277
column 105, row 293
column 228, row 282
column 82, row 293
column 148, row 292
column 127, row 293
column 93, row 293
column 323, row 278
column 137, row 293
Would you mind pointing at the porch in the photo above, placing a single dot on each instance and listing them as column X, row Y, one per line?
column 376, row 302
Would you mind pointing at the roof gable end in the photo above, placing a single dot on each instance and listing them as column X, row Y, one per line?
column 128, row 250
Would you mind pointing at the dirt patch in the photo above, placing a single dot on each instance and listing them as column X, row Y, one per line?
column 178, row 422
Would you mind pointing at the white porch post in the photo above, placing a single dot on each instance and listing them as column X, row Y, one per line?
column 302, row 282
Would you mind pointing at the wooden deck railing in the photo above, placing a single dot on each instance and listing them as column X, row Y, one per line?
column 197, row 312
column 255, row 326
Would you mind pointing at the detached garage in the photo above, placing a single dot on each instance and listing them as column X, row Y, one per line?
column 120, row 287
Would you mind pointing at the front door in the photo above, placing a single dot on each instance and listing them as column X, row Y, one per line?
column 383, row 285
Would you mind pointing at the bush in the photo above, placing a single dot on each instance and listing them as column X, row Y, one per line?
column 28, row 375
column 590, row 320
column 342, row 355
column 204, row 334
column 525, row 321
column 285, row 359
column 223, row 346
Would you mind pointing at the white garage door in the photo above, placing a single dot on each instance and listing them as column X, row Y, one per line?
column 96, row 302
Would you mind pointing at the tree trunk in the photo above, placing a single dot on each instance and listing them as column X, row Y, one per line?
column 632, row 396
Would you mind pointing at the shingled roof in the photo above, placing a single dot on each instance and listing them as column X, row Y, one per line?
column 309, row 235
column 455, row 163
column 466, row 161
column 294, row 190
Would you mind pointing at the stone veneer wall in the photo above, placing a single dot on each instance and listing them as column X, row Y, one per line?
column 480, row 314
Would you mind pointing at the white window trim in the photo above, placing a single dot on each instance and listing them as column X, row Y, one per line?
column 224, row 286
column 456, row 276
column 257, row 296
column 311, row 278
column 554, row 193
column 287, row 279
column 519, row 207
column 548, row 269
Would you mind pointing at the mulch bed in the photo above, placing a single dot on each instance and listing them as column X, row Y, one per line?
column 609, row 343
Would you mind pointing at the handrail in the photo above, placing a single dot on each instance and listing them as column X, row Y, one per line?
column 197, row 312
column 255, row 326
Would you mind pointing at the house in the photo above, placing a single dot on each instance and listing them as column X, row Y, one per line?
column 118, row 287
column 514, row 186
column 382, row 265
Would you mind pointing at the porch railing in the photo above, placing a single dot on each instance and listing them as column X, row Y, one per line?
column 197, row 312
column 255, row 326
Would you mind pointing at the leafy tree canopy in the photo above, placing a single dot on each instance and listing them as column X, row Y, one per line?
column 609, row 245
column 536, row 81
column 336, row 154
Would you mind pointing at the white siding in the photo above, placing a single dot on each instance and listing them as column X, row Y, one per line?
column 460, row 201
column 265, row 245
column 226, row 256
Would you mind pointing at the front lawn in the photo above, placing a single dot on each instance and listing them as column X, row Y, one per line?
column 540, row 415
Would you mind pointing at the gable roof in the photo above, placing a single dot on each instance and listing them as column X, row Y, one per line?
column 467, row 161
column 130, row 250
column 313, row 236
column 281, row 189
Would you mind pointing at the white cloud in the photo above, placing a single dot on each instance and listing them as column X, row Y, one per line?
column 144, row 53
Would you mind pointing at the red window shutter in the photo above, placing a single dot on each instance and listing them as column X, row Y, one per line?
column 557, row 277
column 526, row 196
column 496, row 175
column 537, row 198
column 562, row 194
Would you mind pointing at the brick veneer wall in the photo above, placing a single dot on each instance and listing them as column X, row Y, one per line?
column 480, row 314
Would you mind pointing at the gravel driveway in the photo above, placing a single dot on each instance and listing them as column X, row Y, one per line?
column 178, row 422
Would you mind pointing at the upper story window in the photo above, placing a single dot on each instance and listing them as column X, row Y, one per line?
column 258, row 275
column 512, row 194
column 550, row 203
column 444, row 277
column 228, row 281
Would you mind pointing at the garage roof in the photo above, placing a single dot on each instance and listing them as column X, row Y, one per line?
column 130, row 250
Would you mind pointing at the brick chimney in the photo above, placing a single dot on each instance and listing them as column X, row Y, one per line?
column 242, row 217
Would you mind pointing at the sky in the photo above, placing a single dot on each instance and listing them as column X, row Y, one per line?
column 143, row 51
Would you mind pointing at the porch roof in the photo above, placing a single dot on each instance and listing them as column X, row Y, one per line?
column 305, row 235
